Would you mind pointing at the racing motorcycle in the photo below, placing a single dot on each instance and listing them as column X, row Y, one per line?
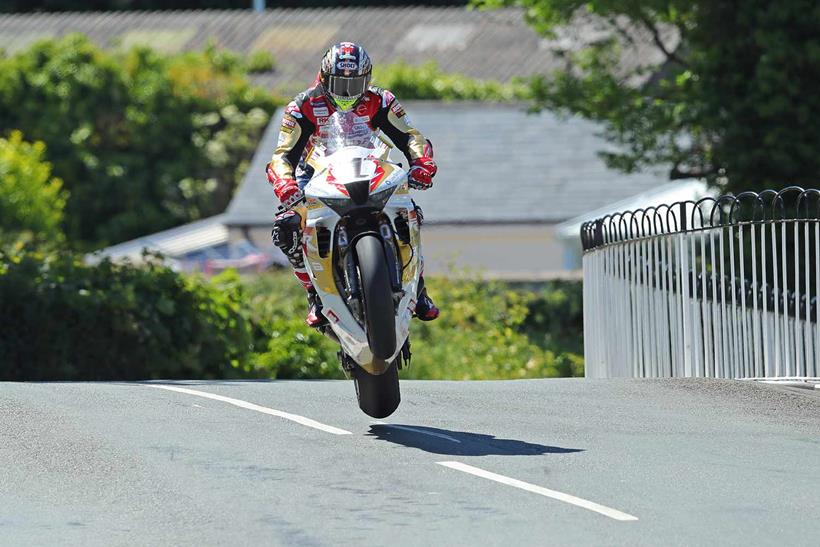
column 362, row 250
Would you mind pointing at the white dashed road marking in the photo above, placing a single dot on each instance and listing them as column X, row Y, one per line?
column 458, row 466
column 554, row 494
column 250, row 406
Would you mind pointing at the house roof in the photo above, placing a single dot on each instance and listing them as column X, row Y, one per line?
column 202, row 234
column 673, row 192
column 493, row 44
column 497, row 163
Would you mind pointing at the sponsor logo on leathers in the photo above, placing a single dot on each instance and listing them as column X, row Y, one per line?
column 397, row 109
column 293, row 110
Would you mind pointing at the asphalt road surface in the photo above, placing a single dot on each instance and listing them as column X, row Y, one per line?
column 544, row 462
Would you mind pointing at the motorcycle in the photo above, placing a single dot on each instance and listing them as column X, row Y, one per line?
column 362, row 249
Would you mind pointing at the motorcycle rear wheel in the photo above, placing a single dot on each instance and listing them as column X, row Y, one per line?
column 378, row 395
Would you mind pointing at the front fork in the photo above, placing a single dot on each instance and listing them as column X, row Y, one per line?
column 351, row 275
column 393, row 265
column 352, row 285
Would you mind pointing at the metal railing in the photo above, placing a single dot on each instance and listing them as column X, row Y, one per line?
column 723, row 287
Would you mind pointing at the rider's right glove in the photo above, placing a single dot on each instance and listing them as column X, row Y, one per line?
column 421, row 173
column 285, row 188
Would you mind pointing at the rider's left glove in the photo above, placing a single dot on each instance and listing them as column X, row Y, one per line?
column 421, row 173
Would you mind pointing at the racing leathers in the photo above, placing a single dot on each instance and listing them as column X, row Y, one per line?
column 302, row 123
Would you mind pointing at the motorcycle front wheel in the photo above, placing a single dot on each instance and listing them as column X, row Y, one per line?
column 379, row 313
column 378, row 394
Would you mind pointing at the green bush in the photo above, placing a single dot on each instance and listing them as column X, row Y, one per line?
column 31, row 200
column 555, row 318
column 288, row 348
column 487, row 330
column 143, row 141
column 63, row 320
column 260, row 61
column 429, row 82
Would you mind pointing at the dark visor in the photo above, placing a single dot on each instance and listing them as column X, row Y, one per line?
column 347, row 87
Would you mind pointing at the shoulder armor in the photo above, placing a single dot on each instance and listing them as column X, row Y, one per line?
column 385, row 95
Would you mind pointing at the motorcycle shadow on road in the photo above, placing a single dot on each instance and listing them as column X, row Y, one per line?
column 460, row 443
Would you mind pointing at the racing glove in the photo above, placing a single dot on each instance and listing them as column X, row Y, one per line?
column 421, row 173
column 285, row 188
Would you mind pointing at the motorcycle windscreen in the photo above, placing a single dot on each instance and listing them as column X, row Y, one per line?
column 343, row 130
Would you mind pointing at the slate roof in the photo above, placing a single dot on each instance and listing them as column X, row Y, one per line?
column 482, row 44
column 672, row 192
column 202, row 234
column 496, row 164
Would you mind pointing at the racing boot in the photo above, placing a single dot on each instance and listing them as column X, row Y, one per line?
column 314, row 318
column 426, row 309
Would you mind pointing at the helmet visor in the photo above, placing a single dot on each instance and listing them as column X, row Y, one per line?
column 347, row 86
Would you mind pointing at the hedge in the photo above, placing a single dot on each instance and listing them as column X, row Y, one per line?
column 487, row 330
column 428, row 82
column 63, row 320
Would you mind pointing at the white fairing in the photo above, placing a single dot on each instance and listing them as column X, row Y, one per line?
column 348, row 162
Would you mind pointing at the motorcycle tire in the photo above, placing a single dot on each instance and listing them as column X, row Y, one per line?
column 379, row 313
column 378, row 395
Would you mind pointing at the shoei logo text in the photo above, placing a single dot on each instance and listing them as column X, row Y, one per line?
column 346, row 65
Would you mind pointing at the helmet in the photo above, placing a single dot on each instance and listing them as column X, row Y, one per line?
column 345, row 74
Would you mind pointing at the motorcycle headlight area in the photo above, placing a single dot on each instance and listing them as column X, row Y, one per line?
column 377, row 200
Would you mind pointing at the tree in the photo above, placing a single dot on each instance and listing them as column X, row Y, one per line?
column 143, row 142
column 31, row 200
column 732, row 98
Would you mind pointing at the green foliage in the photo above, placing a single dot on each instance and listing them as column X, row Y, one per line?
column 428, row 81
column 733, row 100
column 288, row 348
column 31, row 200
column 63, row 320
column 555, row 315
column 487, row 330
column 143, row 141
column 260, row 61
column 756, row 78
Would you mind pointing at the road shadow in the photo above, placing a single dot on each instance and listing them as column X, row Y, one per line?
column 459, row 443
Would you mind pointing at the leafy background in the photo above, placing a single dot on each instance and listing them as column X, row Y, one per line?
column 98, row 147
column 62, row 319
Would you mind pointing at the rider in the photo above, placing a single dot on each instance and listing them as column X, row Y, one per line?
column 342, row 84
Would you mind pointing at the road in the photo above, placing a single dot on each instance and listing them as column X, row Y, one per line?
column 558, row 462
